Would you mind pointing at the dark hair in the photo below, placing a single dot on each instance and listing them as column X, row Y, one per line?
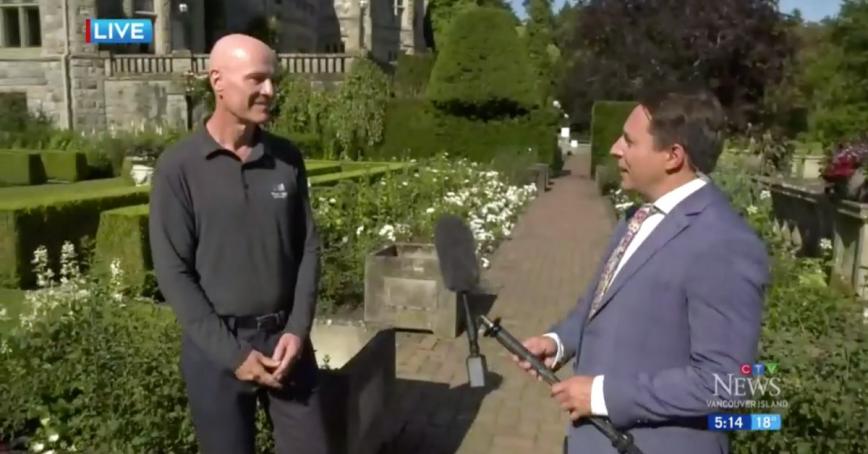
column 693, row 119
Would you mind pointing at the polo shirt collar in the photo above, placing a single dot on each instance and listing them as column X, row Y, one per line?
column 207, row 145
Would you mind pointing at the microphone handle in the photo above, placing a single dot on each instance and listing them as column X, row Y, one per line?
column 514, row 346
column 621, row 441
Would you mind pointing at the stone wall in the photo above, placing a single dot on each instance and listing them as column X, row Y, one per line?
column 133, row 100
column 40, row 80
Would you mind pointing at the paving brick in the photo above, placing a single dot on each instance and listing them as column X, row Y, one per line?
column 538, row 274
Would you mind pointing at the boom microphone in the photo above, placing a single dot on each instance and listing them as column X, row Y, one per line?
column 456, row 252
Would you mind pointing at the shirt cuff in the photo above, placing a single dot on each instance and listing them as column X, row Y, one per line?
column 598, row 402
column 560, row 354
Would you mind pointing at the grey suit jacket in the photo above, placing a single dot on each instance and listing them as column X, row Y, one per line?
column 685, row 306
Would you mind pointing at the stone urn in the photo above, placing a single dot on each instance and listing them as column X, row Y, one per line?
column 141, row 174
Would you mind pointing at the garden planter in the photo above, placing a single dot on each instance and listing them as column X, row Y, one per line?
column 141, row 174
column 357, row 364
column 404, row 289
column 808, row 167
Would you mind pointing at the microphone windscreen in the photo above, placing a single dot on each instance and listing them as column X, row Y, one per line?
column 456, row 251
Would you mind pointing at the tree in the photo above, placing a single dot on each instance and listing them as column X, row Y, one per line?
column 478, row 72
column 442, row 12
column 736, row 48
column 540, row 42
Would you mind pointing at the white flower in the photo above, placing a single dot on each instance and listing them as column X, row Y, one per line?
column 765, row 194
column 332, row 200
column 360, row 230
column 50, row 451
column 38, row 447
column 53, row 437
column 429, row 210
column 485, row 263
column 344, row 240
column 752, row 210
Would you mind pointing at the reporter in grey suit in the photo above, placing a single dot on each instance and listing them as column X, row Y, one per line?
column 677, row 299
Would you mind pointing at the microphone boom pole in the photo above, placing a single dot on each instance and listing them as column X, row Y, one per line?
column 622, row 441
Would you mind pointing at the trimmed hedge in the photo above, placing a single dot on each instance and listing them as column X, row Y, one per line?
column 58, row 165
column 412, row 75
column 483, row 67
column 20, row 169
column 123, row 235
column 416, row 129
column 49, row 215
column 607, row 123
column 68, row 166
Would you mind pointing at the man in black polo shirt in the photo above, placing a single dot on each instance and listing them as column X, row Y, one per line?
column 236, row 255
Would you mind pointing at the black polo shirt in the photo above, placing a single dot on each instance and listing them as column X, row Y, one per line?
column 233, row 238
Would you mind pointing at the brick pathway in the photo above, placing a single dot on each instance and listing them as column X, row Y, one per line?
column 537, row 276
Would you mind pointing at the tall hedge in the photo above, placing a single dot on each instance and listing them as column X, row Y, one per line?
column 607, row 123
column 482, row 68
column 412, row 75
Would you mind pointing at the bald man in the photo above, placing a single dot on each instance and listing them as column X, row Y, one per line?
column 236, row 256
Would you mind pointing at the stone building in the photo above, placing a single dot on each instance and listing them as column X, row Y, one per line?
column 44, row 56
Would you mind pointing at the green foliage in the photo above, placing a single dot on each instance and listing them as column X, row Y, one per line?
column 68, row 166
column 34, row 215
column 442, row 13
column 815, row 331
column 412, row 74
column 478, row 72
column 357, row 113
column 607, row 124
column 20, row 169
column 540, row 39
column 122, row 236
column 415, row 129
column 334, row 124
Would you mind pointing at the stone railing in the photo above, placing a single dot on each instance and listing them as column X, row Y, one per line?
column 144, row 64
column 805, row 216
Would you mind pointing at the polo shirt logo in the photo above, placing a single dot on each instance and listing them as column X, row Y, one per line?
column 278, row 192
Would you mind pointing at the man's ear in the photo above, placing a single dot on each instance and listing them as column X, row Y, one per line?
column 676, row 158
column 216, row 81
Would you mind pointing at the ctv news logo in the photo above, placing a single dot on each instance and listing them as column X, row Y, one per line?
column 748, row 388
column 118, row 31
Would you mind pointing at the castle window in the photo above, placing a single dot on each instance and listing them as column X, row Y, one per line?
column 20, row 26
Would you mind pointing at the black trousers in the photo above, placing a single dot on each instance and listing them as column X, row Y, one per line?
column 223, row 408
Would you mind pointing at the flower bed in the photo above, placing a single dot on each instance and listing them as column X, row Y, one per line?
column 356, row 219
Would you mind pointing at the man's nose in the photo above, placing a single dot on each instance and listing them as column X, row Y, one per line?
column 267, row 88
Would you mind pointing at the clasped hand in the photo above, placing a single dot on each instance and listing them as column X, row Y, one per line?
column 573, row 394
column 270, row 371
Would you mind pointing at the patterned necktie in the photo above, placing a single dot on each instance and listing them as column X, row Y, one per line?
column 609, row 271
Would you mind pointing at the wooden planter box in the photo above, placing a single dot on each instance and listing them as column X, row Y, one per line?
column 404, row 289
column 357, row 363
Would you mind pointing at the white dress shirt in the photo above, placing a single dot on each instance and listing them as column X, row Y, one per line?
column 665, row 204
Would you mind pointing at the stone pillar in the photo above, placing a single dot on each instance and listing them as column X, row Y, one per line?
column 163, row 27
column 127, row 7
